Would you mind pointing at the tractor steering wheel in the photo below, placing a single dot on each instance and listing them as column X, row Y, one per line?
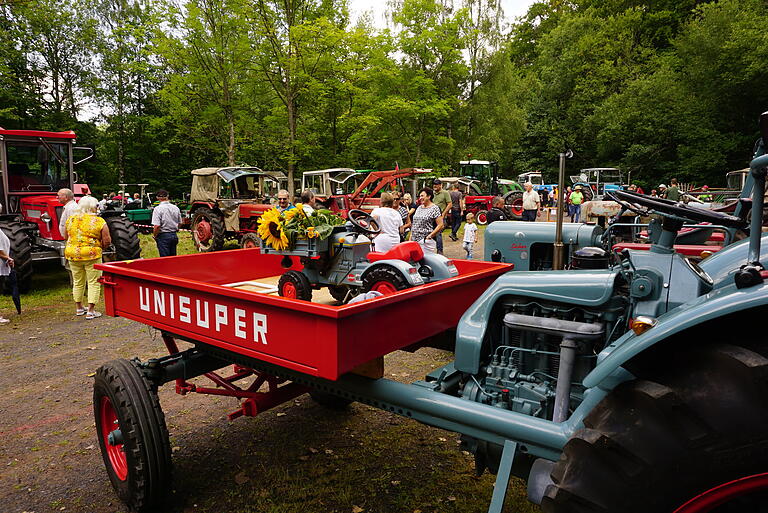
column 363, row 221
column 673, row 209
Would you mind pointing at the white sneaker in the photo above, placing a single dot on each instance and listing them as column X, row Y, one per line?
column 3, row 320
column 92, row 315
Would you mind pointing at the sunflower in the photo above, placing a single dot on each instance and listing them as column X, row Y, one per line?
column 312, row 233
column 271, row 229
column 290, row 214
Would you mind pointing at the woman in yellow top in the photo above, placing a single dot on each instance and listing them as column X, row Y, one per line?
column 86, row 235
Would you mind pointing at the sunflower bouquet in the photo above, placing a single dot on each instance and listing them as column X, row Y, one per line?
column 280, row 231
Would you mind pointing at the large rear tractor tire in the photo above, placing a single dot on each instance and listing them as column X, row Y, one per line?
column 132, row 435
column 678, row 435
column 513, row 202
column 125, row 238
column 21, row 252
column 384, row 279
column 295, row 285
column 208, row 230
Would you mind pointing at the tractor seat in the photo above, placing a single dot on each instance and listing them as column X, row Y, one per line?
column 406, row 251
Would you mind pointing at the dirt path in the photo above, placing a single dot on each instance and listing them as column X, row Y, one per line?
column 298, row 457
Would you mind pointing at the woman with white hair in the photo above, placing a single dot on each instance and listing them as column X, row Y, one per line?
column 87, row 234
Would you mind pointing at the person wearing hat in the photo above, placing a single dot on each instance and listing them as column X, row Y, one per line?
column 705, row 196
column 577, row 198
column 166, row 218
column 662, row 190
column 443, row 201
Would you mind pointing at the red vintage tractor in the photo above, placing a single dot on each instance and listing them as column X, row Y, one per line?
column 227, row 202
column 34, row 165
column 341, row 190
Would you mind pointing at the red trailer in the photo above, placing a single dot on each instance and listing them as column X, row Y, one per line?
column 292, row 346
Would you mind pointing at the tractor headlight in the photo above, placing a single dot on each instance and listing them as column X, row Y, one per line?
column 642, row 323
column 45, row 217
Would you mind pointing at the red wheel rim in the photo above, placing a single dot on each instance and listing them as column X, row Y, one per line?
column 517, row 207
column 384, row 287
column 289, row 290
column 720, row 495
column 116, row 453
column 481, row 218
column 203, row 231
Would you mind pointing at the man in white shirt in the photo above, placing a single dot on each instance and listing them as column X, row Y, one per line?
column 67, row 198
column 166, row 218
column 531, row 203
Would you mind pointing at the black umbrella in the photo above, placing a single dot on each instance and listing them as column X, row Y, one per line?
column 13, row 286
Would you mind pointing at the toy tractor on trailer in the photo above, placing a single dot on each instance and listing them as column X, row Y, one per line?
column 34, row 165
column 345, row 264
column 614, row 389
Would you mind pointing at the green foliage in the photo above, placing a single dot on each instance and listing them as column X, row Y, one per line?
column 671, row 87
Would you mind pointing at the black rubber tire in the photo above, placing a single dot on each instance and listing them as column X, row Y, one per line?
column 250, row 240
column 299, row 281
column 587, row 192
column 482, row 217
column 216, row 242
column 387, row 274
column 514, row 200
column 330, row 401
column 658, row 441
column 146, row 442
column 125, row 238
column 339, row 292
column 21, row 252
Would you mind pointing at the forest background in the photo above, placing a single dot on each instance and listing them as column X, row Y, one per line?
column 158, row 87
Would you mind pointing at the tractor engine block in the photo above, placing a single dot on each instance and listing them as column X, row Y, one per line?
column 520, row 373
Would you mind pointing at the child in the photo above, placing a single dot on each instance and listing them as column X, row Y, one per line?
column 470, row 235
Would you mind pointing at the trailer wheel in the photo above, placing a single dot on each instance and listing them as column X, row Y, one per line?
column 125, row 238
column 207, row 230
column 384, row 279
column 132, row 435
column 250, row 240
column 513, row 201
column 330, row 401
column 674, row 441
column 482, row 217
column 294, row 284
column 21, row 252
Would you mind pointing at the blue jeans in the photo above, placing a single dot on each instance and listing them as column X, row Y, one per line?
column 166, row 243
column 575, row 213
column 530, row 215
column 455, row 222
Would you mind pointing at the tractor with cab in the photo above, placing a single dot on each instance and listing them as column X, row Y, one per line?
column 34, row 165
column 226, row 202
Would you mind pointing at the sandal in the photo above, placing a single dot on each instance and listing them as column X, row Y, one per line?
column 92, row 315
column 80, row 311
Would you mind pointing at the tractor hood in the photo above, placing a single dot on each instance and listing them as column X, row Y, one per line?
column 587, row 288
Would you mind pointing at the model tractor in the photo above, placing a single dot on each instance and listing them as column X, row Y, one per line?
column 345, row 264
column 34, row 165
column 596, row 181
column 226, row 202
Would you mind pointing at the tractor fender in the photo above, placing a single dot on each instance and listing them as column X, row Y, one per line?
column 441, row 266
column 721, row 302
column 404, row 268
column 590, row 288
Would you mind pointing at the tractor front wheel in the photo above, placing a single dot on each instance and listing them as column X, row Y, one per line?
column 482, row 217
column 676, row 439
column 340, row 292
column 513, row 201
column 295, row 285
column 125, row 238
column 132, row 434
column 386, row 280
column 21, row 252
column 250, row 240
column 208, row 230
